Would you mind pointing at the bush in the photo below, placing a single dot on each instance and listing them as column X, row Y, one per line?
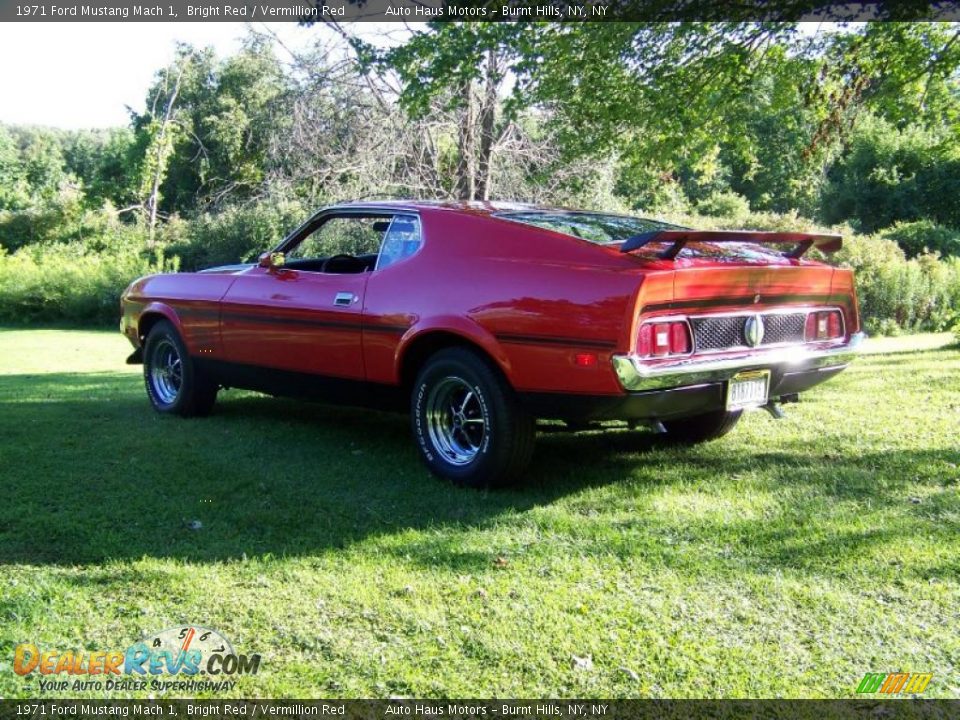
column 916, row 238
column 76, row 273
column 63, row 220
column 725, row 205
column 897, row 294
column 764, row 221
column 238, row 234
column 70, row 283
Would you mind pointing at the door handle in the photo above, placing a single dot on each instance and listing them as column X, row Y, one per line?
column 344, row 299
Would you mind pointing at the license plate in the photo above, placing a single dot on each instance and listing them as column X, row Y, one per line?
column 748, row 389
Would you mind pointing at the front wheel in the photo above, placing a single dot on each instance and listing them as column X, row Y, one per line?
column 467, row 422
column 174, row 384
column 701, row 428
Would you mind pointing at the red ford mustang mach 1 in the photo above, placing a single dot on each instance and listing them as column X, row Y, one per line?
column 480, row 318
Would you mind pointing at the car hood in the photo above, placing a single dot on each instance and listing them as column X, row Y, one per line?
column 227, row 269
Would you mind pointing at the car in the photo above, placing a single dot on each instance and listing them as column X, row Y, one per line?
column 481, row 318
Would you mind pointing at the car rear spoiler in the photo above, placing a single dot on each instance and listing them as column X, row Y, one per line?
column 679, row 238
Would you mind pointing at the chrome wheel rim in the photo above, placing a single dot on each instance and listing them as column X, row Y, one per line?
column 455, row 420
column 166, row 372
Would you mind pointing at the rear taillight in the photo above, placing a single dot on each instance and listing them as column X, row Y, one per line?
column 660, row 339
column 679, row 339
column 824, row 325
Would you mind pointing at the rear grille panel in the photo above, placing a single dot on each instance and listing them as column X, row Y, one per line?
column 728, row 331
column 783, row 328
column 718, row 333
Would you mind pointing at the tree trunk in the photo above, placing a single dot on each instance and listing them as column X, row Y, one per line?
column 161, row 160
column 466, row 167
column 488, row 116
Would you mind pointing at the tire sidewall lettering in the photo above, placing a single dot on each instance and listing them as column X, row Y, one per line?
column 487, row 419
column 420, row 431
column 422, row 438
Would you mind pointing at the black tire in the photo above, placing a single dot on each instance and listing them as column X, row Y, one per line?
column 491, row 443
column 188, row 393
column 702, row 428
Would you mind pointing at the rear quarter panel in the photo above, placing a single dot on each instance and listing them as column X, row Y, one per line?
column 843, row 287
column 530, row 301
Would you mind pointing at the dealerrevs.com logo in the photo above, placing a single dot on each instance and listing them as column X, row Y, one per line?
column 200, row 659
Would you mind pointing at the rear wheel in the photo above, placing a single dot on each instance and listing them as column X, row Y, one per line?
column 467, row 422
column 701, row 428
column 174, row 384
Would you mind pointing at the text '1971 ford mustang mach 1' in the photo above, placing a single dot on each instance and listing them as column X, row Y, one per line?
column 481, row 318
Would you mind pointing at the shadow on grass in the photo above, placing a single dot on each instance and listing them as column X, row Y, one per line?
column 91, row 473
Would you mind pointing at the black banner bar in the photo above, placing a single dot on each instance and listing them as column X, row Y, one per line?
column 887, row 709
column 469, row 10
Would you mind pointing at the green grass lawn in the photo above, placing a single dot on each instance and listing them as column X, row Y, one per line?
column 787, row 559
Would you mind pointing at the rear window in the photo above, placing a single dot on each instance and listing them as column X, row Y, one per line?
column 606, row 229
column 595, row 227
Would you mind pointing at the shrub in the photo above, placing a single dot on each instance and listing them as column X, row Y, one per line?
column 238, row 234
column 897, row 294
column 725, row 205
column 765, row 221
column 61, row 221
column 916, row 238
column 69, row 283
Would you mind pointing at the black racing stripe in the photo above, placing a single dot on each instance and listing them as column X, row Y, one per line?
column 386, row 328
column 232, row 316
column 549, row 340
column 740, row 300
column 310, row 322
column 197, row 312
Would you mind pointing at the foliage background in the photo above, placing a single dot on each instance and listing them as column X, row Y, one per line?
column 729, row 125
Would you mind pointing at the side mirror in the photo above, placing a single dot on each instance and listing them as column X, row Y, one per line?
column 271, row 260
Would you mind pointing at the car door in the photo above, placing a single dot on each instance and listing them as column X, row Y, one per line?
column 305, row 315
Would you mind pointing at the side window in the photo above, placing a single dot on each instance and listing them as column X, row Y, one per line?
column 341, row 236
column 401, row 241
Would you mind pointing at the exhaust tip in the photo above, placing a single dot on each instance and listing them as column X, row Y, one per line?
column 776, row 412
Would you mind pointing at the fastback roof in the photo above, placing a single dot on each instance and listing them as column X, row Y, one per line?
column 483, row 207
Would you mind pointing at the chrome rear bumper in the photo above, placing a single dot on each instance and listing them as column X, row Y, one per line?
column 636, row 375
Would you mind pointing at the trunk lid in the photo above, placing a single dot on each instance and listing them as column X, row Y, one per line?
column 693, row 272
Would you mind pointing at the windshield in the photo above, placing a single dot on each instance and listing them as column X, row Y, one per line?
column 595, row 227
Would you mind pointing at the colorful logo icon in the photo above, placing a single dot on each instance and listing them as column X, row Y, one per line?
column 893, row 683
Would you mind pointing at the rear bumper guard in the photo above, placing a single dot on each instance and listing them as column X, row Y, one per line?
column 636, row 375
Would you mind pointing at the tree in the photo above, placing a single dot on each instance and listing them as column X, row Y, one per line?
column 161, row 131
column 41, row 163
column 890, row 174
column 221, row 115
column 14, row 190
column 461, row 67
column 669, row 96
column 106, row 164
